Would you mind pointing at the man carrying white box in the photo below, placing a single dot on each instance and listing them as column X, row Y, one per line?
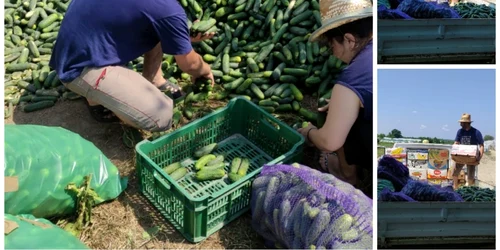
column 467, row 149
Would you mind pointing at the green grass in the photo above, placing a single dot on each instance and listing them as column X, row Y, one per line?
column 380, row 151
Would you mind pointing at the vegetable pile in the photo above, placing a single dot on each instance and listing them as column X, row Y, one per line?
column 420, row 9
column 31, row 28
column 297, row 207
column 210, row 166
column 261, row 51
column 472, row 10
column 477, row 194
column 395, row 184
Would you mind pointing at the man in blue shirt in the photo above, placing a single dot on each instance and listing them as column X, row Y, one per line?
column 98, row 38
column 468, row 135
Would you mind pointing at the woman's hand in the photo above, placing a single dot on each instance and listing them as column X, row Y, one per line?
column 324, row 108
column 305, row 131
column 202, row 37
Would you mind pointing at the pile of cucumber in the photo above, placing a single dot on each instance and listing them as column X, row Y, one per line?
column 210, row 166
column 261, row 51
column 31, row 28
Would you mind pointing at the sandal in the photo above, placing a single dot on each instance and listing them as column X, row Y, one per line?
column 131, row 136
column 174, row 90
column 102, row 114
column 336, row 172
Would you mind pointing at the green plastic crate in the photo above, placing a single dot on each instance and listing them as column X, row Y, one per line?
column 199, row 209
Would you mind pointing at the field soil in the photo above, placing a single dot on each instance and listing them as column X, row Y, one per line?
column 487, row 168
column 130, row 222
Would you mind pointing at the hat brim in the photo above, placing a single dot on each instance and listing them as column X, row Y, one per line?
column 339, row 21
column 465, row 121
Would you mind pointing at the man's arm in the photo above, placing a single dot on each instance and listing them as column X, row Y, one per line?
column 175, row 40
column 480, row 141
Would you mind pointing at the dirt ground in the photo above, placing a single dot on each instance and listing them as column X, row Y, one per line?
column 487, row 168
column 130, row 222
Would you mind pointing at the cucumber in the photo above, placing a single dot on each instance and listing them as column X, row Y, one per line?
column 219, row 159
column 172, row 167
column 210, row 175
column 202, row 162
column 205, row 150
column 178, row 173
column 37, row 106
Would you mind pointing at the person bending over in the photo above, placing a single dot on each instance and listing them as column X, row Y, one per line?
column 98, row 38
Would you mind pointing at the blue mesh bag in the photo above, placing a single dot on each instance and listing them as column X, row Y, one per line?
column 295, row 206
column 423, row 10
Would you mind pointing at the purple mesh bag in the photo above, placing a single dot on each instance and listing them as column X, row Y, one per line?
column 388, row 195
column 424, row 192
column 294, row 206
column 422, row 9
column 384, row 13
column 394, row 171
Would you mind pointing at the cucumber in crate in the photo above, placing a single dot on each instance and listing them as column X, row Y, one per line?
column 200, row 176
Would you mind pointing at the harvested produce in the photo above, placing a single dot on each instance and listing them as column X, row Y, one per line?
column 297, row 207
column 477, row 194
column 206, row 175
column 261, row 51
column 31, row 28
column 202, row 162
column 472, row 10
column 205, row 150
column 239, row 168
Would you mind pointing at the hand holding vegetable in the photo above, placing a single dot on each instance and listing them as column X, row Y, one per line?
column 201, row 36
column 324, row 108
column 209, row 76
column 304, row 131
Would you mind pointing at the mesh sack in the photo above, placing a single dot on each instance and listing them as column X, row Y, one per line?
column 25, row 231
column 299, row 207
column 391, row 169
column 45, row 160
column 388, row 195
column 384, row 13
column 422, row 9
column 382, row 184
column 421, row 191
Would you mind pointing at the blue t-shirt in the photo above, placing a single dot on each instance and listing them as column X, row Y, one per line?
column 97, row 33
column 358, row 77
column 471, row 137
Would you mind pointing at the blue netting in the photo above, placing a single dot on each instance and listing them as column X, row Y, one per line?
column 394, row 171
column 405, row 189
column 421, row 191
column 423, row 9
column 384, row 13
column 299, row 207
column 384, row 184
column 388, row 195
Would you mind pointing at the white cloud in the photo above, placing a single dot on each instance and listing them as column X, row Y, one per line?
column 414, row 112
column 445, row 127
column 423, row 126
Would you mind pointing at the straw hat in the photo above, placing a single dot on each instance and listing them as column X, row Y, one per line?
column 335, row 13
column 465, row 118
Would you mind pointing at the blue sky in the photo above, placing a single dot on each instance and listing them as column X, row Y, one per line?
column 429, row 102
